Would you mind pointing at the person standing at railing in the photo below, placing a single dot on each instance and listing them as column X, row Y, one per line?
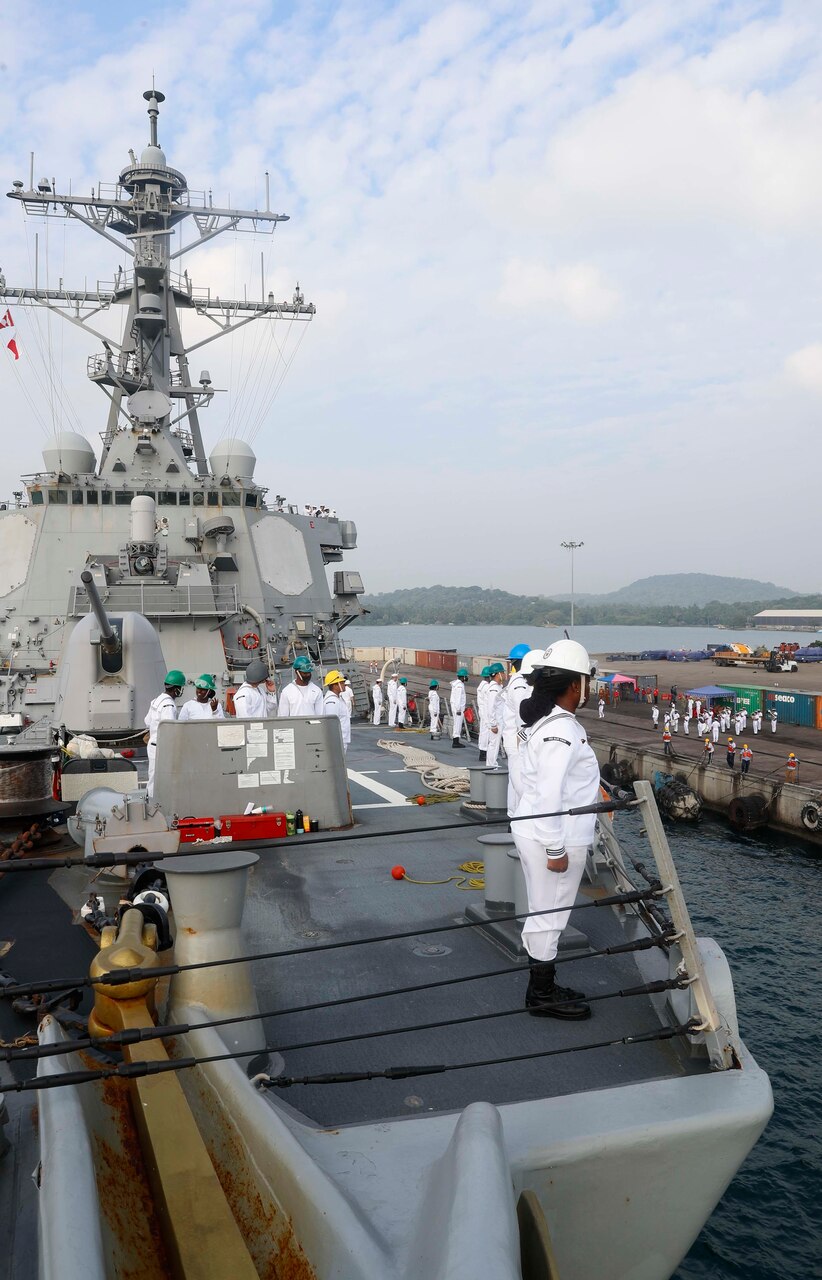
column 559, row 771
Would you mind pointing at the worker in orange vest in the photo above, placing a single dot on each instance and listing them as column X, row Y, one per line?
column 792, row 768
column 666, row 742
column 731, row 753
column 709, row 751
column 747, row 757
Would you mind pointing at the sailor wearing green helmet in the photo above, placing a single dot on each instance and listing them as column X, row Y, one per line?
column 494, row 712
column 434, row 708
column 302, row 697
column 161, row 708
column 402, row 702
column 456, row 701
column 205, row 704
column 482, row 710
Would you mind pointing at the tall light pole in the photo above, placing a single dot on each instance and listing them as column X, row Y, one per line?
column 572, row 547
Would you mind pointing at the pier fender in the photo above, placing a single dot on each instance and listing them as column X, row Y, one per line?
column 467, row 1226
column 746, row 813
column 810, row 815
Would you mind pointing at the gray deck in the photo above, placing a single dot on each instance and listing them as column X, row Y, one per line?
column 304, row 896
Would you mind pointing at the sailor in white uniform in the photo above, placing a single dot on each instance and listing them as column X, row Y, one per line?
column 204, row 705
column 434, row 708
column 393, row 686
column 559, row 772
column 456, row 701
column 335, row 705
column 601, row 707
column 482, row 712
column 347, row 696
column 302, row 697
column 495, row 711
column 377, row 699
column 655, row 716
column 513, row 694
column 161, row 708
column 402, row 702
column 255, row 699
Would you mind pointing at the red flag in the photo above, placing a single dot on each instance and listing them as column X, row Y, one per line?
column 6, row 320
column 12, row 346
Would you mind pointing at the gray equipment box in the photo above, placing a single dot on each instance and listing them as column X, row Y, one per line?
column 79, row 776
column 208, row 768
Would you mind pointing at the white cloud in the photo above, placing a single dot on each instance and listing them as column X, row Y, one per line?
column 804, row 367
column 577, row 287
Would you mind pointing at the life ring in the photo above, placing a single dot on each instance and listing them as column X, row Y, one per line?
column 250, row 640
column 810, row 817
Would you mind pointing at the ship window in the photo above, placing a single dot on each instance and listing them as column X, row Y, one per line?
column 231, row 498
column 77, row 497
column 213, row 498
column 37, row 497
column 146, row 493
column 251, row 499
column 185, row 498
column 122, row 497
column 105, row 497
column 58, row 495
column 91, row 497
column 166, row 499
column 198, row 498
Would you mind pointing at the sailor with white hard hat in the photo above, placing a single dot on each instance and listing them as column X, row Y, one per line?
column 517, row 688
column 161, row 708
column 377, row 699
column 559, row 771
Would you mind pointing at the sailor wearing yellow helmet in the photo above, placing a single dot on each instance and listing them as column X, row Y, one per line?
column 204, row 705
column 334, row 704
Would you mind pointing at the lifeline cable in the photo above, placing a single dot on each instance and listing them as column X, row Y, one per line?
column 138, row 859
column 136, row 1070
column 119, row 977
column 32, row 1050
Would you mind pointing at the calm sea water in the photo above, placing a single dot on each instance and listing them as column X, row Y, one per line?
column 757, row 898
column 476, row 641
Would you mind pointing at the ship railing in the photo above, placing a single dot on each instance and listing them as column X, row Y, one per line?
column 155, row 600
column 716, row 1032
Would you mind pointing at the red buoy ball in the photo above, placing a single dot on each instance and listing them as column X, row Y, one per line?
column 398, row 872
column 420, row 799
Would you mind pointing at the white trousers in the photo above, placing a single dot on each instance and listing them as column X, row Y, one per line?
column 378, row 714
column 773, row 726
column 401, row 714
column 686, row 725
column 514, row 780
column 392, row 714
column 435, row 725
column 494, row 744
column 151, row 752
column 547, row 890
column 484, row 734
column 458, row 718
column 715, row 732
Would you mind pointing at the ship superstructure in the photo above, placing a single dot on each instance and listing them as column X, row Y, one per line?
column 189, row 540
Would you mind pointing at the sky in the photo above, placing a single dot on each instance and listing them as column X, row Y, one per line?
column 566, row 258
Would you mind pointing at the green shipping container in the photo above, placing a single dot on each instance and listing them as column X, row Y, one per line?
column 791, row 708
column 747, row 697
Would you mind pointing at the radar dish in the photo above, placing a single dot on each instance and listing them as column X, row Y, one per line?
column 149, row 406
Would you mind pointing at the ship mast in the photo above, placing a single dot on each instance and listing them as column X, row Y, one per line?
column 146, row 375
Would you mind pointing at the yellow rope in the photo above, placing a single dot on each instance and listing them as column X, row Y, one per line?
column 473, row 870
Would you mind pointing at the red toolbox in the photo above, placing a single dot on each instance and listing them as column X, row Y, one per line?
column 193, row 829
column 253, row 826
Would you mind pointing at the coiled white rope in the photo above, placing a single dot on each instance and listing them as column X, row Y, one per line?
column 435, row 775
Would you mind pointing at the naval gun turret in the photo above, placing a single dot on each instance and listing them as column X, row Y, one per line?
column 112, row 667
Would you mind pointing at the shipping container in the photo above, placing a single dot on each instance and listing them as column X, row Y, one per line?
column 371, row 653
column 791, row 708
column 819, row 711
column 437, row 659
column 746, row 696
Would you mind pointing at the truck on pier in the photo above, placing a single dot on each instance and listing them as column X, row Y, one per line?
column 775, row 660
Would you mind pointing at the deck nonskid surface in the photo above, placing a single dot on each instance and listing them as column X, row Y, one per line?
column 304, row 896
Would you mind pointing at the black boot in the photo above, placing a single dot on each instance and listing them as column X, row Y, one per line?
column 483, row 755
column 456, row 743
column 545, row 999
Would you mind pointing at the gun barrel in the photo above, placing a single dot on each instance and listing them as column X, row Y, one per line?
column 109, row 640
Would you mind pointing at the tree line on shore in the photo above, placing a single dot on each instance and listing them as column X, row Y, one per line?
column 480, row 606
